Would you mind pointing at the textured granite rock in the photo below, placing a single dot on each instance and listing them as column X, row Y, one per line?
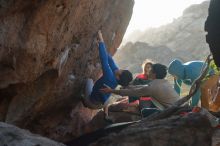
column 47, row 49
column 13, row 136
column 191, row 130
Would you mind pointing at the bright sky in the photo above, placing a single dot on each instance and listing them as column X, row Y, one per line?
column 153, row 13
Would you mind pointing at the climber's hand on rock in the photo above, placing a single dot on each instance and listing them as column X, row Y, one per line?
column 100, row 38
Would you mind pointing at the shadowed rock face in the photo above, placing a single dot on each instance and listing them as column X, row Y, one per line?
column 47, row 49
column 11, row 135
column 191, row 130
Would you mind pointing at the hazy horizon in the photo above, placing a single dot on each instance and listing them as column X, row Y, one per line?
column 146, row 15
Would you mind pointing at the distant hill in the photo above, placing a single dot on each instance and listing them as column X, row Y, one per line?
column 132, row 55
column 183, row 38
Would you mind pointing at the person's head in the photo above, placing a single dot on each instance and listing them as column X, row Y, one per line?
column 176, row 69
column 158, row 71
column 124, row 77
column 146, row 66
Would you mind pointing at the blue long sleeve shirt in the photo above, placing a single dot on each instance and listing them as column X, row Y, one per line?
column 191, row 71
column 108, row 68
column 187, row 73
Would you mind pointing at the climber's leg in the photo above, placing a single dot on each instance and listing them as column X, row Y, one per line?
column 86, row 99
column 88, row 89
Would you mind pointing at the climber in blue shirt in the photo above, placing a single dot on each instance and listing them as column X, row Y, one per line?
column 112, row 76
column 186, row 73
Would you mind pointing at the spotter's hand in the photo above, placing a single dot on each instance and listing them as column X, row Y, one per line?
column 106, row 90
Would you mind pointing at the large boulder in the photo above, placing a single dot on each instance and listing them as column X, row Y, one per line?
column 47, row 49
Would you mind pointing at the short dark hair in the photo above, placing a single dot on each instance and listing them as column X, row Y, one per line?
column 125, row 78
column 160, row 70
